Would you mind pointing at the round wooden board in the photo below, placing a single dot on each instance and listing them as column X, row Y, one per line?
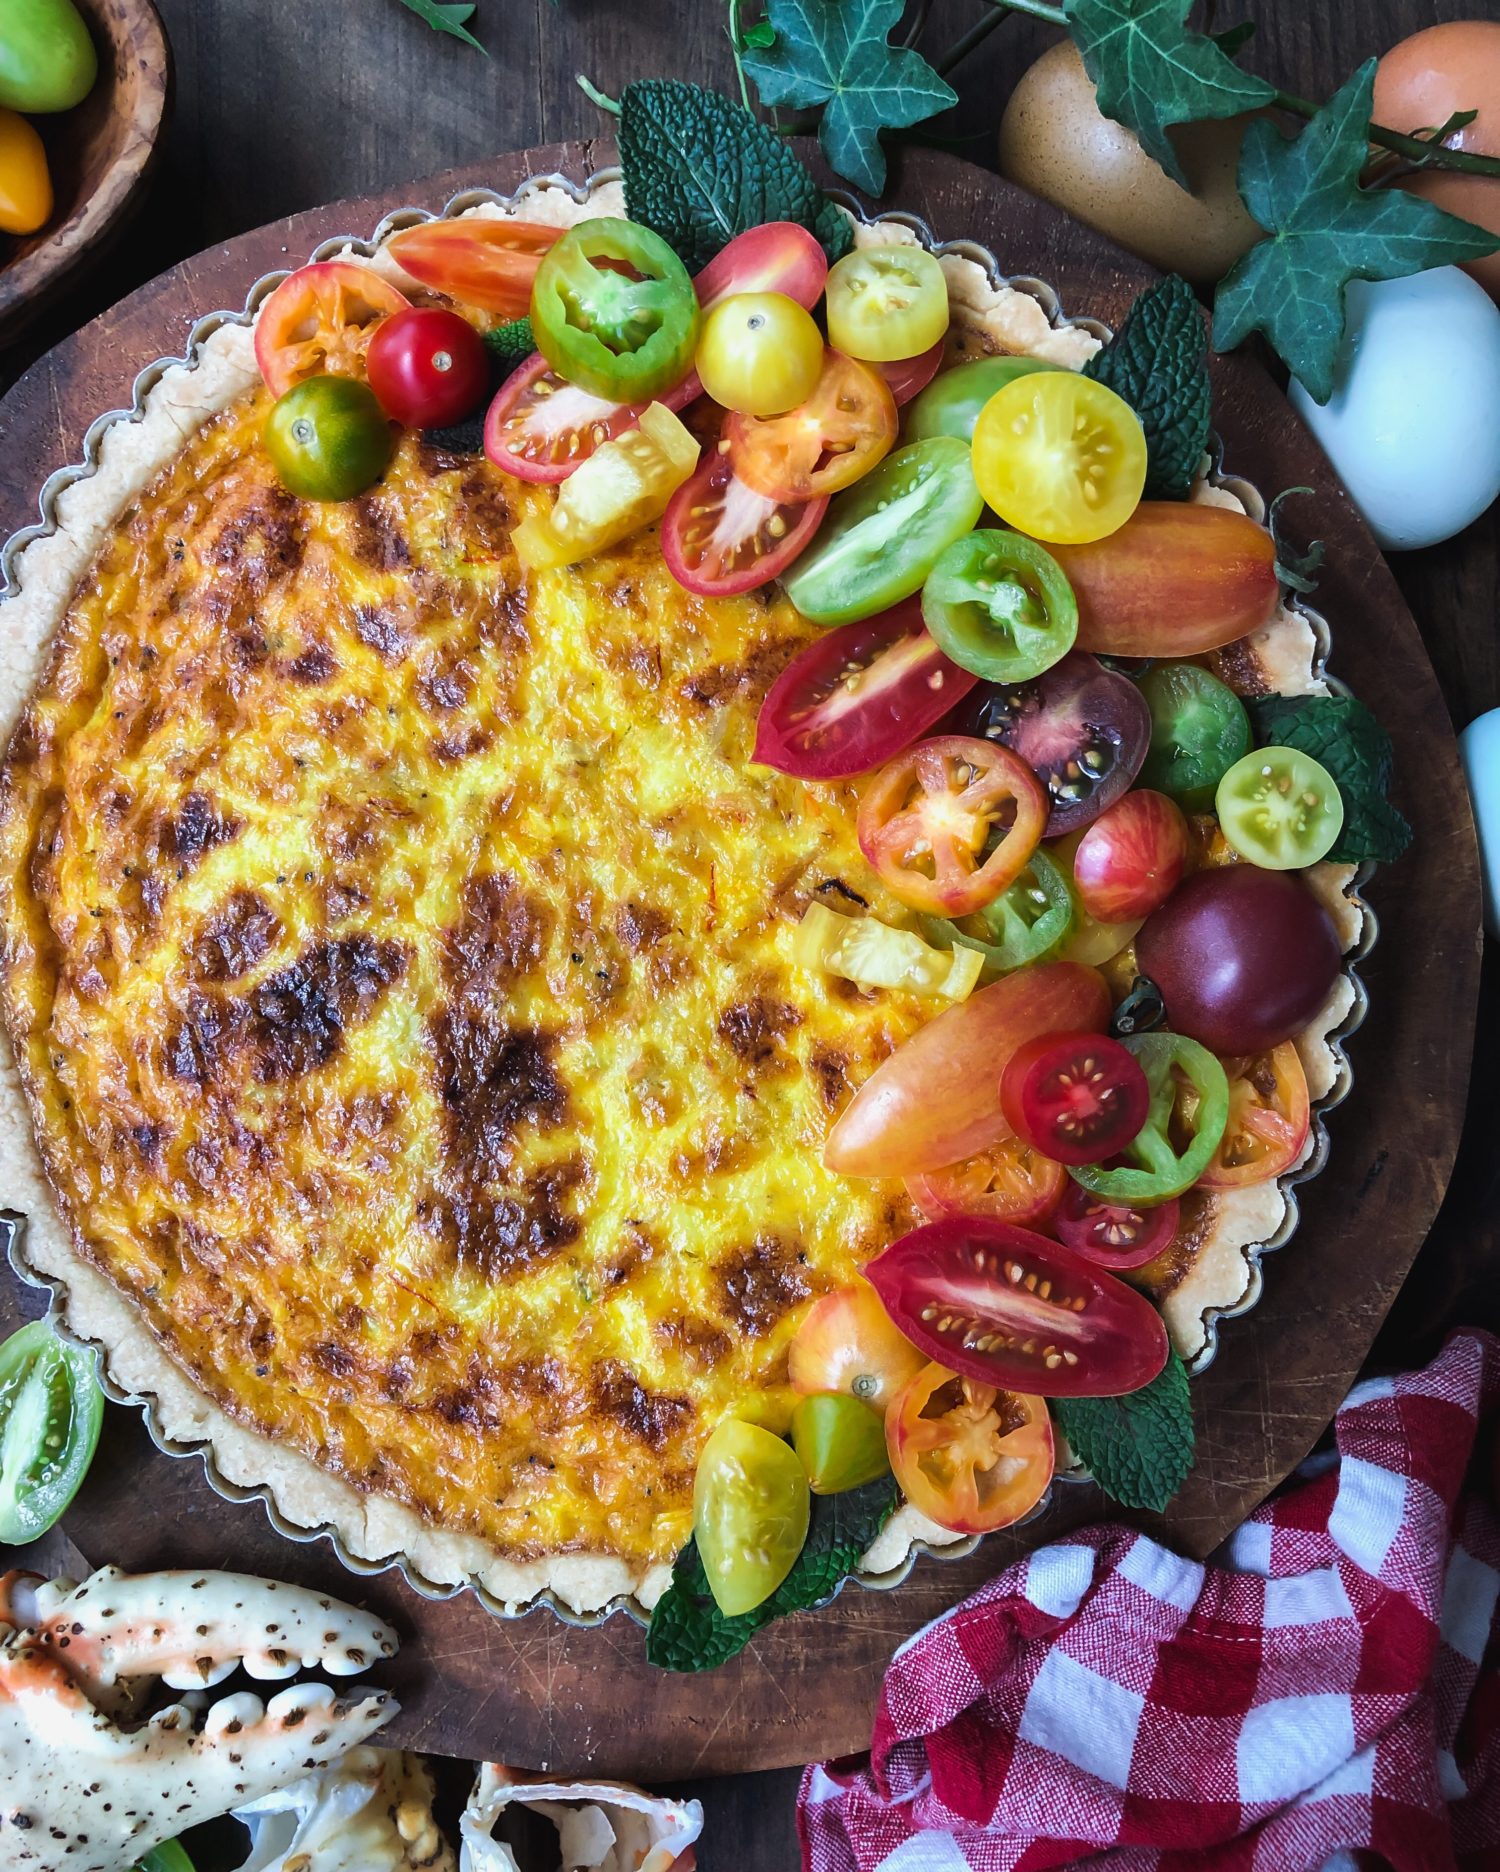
column 533, row 1691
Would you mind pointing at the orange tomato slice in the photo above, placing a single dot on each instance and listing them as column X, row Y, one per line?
column 319, row 322
column 476, row 260
column 1269, row 1116
column 841, row 431
column 1009, row 1180
column 968, row 1456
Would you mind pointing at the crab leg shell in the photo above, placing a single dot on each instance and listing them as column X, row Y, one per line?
column 605, row 1824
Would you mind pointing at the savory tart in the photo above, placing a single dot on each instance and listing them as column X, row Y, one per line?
column 426, row 999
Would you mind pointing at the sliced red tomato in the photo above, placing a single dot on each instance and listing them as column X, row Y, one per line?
column 719, row 537
column 1114, row 1235
column 319, row 322
column 969, row 1456
column 934, row 1101
column 1009, row 1180
column 847, row 425
column 1077, row 1097
column 1006, row 1307
column 1269, row 1117
column 951, row 823
column 908, row 377
column 848, row 1343
column 540, row 428
column 477, row 259
column 777, row 256
column 857, row 696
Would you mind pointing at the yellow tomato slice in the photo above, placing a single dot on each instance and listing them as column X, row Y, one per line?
column 1060, row 457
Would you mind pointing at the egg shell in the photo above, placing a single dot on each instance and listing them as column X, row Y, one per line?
column 1454, row 66
column 1413, row 425
column 1479, row 749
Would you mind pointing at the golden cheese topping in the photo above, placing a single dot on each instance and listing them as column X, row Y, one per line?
column 398, row 955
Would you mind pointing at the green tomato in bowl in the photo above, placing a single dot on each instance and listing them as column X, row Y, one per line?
column 47, row 59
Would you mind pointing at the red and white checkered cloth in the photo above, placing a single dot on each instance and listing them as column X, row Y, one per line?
column 1330, row 1697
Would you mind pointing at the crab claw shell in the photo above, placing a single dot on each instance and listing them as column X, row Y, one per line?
column 193, row 1629
column 370, row 1812
column 18, row 1599
column 602, row 1826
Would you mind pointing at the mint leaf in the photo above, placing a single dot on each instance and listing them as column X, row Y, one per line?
column 700, row 169
column 447, row 16
column 1323, row 230
column 1157, row 362
column 509, row 344
column 1151, row 72
column 688, row 1632
column 837, row 53
column 1341, row 732
column 1139, row 1448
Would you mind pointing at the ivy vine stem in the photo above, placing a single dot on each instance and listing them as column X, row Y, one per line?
column 735, row 51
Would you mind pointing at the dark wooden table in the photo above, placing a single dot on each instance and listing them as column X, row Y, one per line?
column 281, row 105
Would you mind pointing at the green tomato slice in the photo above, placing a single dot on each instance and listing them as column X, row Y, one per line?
column 1028, row 920
column 840, row 1441
column 328, row 438
column 1000, row 605
column 51, row 1409
column 884, row 535
column 1188, row 1114
column 1199, row 729
column 750, row 1513
column 626, row 335
column 951, row 403
column 1280, row 808
column 168, row 1857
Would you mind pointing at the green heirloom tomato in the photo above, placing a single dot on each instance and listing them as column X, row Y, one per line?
column 884, row 535
column 51, row 1408
column 1000, row 606
column 1199, row 729
column 840, row 1440
column 47, row 59
column 1280, row 808
column 750, row 1514
column 951, row 403
column 1027, row 921
column 1189, row 1099
column 328, row 438
column 625, row 335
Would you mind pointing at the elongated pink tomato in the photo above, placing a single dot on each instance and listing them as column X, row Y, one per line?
column 936, row 1100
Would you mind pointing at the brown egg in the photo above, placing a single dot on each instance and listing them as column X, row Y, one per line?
column 1420, row 83
column 1055, row 141
column 1472, row 198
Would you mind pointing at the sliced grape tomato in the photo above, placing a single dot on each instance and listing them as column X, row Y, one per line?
column 886, row 303
column 1280, row 808
column 1114, row 1235
column 51, row 1410
column 719, row 537
column 541, row 428
column 1189, row 1110
column 750, row 1514
column 827, row 443
column 1000, row 606
column 1076, row 1097
column 479, row 260
column 319, row 322
column 969, row 1456
column 1199, row 729
column 950, row 406
column 1270, row 1114
column 1029, row 920
column 775, row 257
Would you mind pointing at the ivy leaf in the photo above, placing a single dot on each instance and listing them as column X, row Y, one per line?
column 1157, row 363
column 761, row 36
column 1341, row 732
column 836, row 53
column 1150, row 71
column 447, row 16
column 1323, row 230
column 1139, row 1448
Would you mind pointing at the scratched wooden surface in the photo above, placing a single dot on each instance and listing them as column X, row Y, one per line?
column 276, row 113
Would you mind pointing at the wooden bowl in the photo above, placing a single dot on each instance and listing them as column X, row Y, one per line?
column 100, row 155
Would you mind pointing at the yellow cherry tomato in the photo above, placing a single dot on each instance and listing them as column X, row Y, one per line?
column 887, row 303
column 1060, row 457
column 760, row 353
column 25, row 186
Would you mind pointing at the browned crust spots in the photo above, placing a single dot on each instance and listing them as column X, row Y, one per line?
column 237, row 937
column 654, row 1417
column 762, row 1283
column 752, row 676
column 752, row 1030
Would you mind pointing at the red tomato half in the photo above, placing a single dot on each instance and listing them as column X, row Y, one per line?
column 1132, row 857
column 540, row 428
column 720, row 537
column 1077, row 1097
column 1005, row 1307
column 319, row 321
column 777, row 256
column 428, row 367
column 908, row 377
column 479, row 260
column 855, row 697
column 1009, row 1180
column 933, row 1102
column 1113, row 1235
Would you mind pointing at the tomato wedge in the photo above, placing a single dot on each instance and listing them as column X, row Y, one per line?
column 970, row 1457
column 933, row 1102
column 1005, row 1307
column 951, row 823
column 479, row 260
column 719, row 537
column 1010, row 1180
column 540, row 428
column 837, row 435
column 319, row 322
column 1114, row 1235
column 1269, row 1117
column 855, row 697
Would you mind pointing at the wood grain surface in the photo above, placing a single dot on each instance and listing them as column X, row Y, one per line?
column 538, row 1693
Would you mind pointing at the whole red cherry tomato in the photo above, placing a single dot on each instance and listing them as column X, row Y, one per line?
column 428, row 367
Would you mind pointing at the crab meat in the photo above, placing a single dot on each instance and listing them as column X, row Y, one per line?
column 602, row 1826
column 84, row 1790
column 370, row 1812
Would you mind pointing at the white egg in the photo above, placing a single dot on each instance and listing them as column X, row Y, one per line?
column 1479, row 749
column 1413, row 426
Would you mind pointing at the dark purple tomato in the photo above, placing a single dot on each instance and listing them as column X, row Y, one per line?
column 1243, row 957
column 1081, row 728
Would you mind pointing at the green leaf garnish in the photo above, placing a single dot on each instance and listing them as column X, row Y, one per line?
column 1158, row 363
column 447, row 16
column 508, row 344
column 1150, row 71
column 837, row 53
column 1138, row 1448
column 1324, row 230
column 688, row 1632
column 1342, row 733
column 700, row 169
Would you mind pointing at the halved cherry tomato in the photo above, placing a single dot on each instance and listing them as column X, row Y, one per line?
column 887, row 302
column 1114, row 1235
column 428, row 367
column 839, row 1441
column 854, row 697
column 1076, row 1097
column 909, row 377
column 969, row 1456
column 952, row 822
column 1174, row 581
column 1269, row 1116
column 1060, row 456
column 1010, row 1180
column 750, row 1514
column 1131, row 858
column 760, row 353
column 540, row 428
column 847, row 1343
column 478, row 260
column 827, row 443
column 319, row 322
column 720, row 537
column 1004, row 1306
column 933, row 1102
